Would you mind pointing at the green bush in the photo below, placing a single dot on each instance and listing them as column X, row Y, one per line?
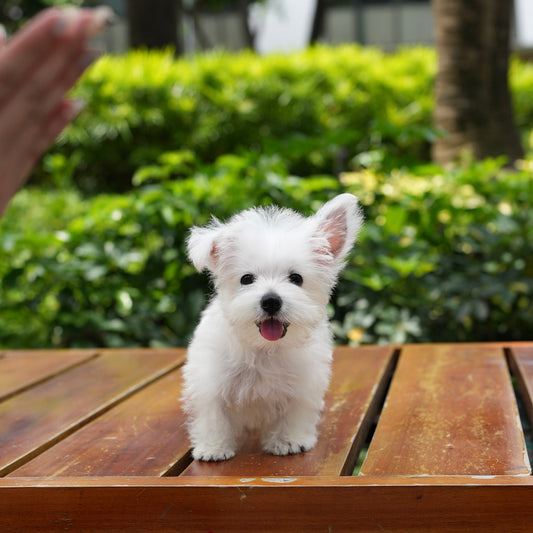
column 316, row 109
column 114, row 271
column 449, row 257
column 444, row 256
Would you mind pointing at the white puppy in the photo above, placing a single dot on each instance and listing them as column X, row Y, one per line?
column 261, row 354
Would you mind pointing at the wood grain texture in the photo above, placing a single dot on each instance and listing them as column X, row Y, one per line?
column 358, row 380
column 41, row 416
column 22, row 369
column 301, row 505
column 142, row 436
column 450, row 411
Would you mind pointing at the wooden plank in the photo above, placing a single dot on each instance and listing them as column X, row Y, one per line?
column 450, row 411
column 65, row 482
column 339, row 505
column 359, row 378
column 142, row 436
column 20, row 370
column 41, row 416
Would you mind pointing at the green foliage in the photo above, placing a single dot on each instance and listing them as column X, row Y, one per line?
column 316, row 109
column 448, row 256
column 444, row 256
column 115, row 272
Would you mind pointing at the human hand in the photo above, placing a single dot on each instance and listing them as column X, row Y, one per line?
column 37, row 67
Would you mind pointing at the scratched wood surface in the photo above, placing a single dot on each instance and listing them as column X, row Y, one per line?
column 143, row 436
column 451, row 410
column 357, row 383
column 339, row 504
column 95, row 441
column 23, row 369
column 41, row 416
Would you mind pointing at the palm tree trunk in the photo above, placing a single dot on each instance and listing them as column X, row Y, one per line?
column 473, row 101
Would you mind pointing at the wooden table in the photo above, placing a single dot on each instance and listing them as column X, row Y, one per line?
column 94, row 440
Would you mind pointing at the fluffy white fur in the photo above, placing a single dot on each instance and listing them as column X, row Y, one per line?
column 236, row 379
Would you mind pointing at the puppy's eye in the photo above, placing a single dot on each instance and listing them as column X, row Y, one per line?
column 296, row 279
column 247, row 279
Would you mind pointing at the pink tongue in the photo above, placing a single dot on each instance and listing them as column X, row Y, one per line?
column 271, row 329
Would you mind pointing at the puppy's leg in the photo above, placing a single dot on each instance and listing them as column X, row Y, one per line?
column 212, row 435
column 294, row 432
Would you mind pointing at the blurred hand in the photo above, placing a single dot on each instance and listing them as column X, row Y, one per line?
column 38, row 65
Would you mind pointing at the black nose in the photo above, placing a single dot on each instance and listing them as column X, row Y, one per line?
column 271, row 303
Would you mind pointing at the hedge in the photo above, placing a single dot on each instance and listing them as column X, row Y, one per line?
column 316, row 109
column 444, row 256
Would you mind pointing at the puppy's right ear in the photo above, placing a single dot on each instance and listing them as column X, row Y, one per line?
column 202, row 245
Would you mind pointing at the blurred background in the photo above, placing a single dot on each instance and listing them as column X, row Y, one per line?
column 424, row 109
column 268, row 25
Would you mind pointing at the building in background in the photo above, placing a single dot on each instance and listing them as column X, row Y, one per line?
column 285, row 25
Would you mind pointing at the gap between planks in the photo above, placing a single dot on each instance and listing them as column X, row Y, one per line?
column 523, row 389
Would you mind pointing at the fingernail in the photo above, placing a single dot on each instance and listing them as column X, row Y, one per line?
column 78, row 105
column 101, row 17
column 68, row 15
column 89, row 58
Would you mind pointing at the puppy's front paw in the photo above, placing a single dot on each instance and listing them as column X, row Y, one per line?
column 212, row 453
column 288, row 446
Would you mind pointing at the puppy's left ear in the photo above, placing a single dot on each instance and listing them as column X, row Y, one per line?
column 202, row 245
column 339, row 222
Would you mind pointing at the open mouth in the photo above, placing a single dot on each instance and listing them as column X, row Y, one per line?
column 272, row 329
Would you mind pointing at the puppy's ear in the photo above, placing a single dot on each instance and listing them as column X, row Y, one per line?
column 338, row 223
column 202, row 245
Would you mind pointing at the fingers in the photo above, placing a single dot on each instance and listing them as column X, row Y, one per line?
column 37, row 140
column 49, row 35
column 33, row 145
column 26, row 48
column 37, row 129
column 63, row 79
column 48, row 83
column 65, row 112
column 41, row 93
column 100, row 18
column 27, row 99
column 38, row 65
column 55, row 24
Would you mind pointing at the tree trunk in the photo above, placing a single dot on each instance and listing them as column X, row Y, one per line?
column 249, row 34
column 473, row 101
column 317, row 30
column 154, row 24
